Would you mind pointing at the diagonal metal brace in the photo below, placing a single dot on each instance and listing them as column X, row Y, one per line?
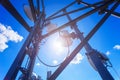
column 10, row 8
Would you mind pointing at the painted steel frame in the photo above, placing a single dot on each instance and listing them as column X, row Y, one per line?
column 33, row 35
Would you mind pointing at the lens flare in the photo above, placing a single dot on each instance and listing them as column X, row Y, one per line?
column 58, row 46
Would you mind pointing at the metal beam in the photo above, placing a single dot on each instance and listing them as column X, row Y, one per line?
column 33, row 11
column 79, row 47
column 10, row 8
column 62, row 9
column 43, row 6
column 38, row 7
column 94, row 57
column 106, row 10
column 33, row 53
column 77, row 19
column 83, row 8
column 11, row 74
column 1, row 1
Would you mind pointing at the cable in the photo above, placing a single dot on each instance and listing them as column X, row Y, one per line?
column 27, row 62
column 68, row 51
column 47, row 64
column 113, row 69
column 116, row 72
column 53, row 65
column 68, row 47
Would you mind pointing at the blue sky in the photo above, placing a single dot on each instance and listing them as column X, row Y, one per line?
column 106, row 40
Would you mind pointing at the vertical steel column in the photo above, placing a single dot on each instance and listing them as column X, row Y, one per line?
column 38, row 7
column 15, row 67
column 33, row 11
column 12, row 73
column 36, row 41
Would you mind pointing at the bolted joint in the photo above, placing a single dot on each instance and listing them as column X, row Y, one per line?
column 23, row 70
column 102, row 11
column 73, row 35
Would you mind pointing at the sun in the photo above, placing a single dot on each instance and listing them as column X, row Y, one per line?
column 58, row 46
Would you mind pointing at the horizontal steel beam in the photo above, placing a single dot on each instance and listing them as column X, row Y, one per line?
column 80, row 9
column 62, row 9
column 93, row 6
column 87, row 6
column 10, row 8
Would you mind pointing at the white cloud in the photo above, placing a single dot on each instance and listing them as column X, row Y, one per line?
column 8, row 34
column 77, row 59
column 117, row 47
column 3, row 41
column 37, row 64
column 108, row 53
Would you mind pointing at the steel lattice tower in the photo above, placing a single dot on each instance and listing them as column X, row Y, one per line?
column 31, row 45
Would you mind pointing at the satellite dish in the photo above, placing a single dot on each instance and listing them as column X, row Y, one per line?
column 104, row 57
column 27, row 11
column 91, row 63
column 51, row 27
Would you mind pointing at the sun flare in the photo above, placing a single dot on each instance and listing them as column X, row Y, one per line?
column 58, row 46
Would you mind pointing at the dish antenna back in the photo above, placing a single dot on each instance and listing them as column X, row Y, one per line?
column 28, row 12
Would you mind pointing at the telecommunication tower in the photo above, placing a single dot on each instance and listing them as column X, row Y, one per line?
column 30, row 47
